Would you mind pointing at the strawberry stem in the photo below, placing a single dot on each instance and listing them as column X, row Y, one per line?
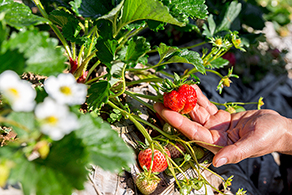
column 134, row 95
column 131, row 118
column 205, row 143
column 54, row 28
column 144, row 81
column 152, row 159
column 153, row 126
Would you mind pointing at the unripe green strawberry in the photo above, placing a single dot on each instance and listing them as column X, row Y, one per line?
column 159, row 160
column 174, row 152
column 146, row 183
column 182, row 100
column 167, row 128
column 43, row 148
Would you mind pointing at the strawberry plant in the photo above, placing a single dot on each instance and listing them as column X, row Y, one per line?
column 83, row 81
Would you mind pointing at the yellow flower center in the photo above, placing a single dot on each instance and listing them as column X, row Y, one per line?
column 66, row 90
column 14, row 92
column 218, row 41
column 237, row 42
column 51, row 120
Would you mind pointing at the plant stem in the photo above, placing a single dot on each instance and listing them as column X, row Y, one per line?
column 139, row 100
column 152, row 159
column 166, row 74
column 205, row 143
column 179, row 169
column 215, row 72
column 150, row 97
column 94, row 79
column 54, row 28
column 92, row 69
column 230, row 103
column 196, row 45
column 140, row 127
column 80, row 54
column 144, row 81
column 153, row 126
column 84, row 65
column 14, row 123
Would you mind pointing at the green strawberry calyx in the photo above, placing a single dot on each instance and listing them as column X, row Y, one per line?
column 168, row 85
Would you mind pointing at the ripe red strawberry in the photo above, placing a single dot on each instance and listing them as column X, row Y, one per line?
column 146, row 183
column 174, row 152
column 179, row 95
column 182, row 100
column 159, row 160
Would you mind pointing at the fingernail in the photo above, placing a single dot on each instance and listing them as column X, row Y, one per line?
column 220, row 162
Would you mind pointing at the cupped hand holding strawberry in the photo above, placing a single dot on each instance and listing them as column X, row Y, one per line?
column 179, row 95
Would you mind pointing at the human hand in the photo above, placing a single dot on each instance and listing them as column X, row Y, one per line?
column 245, row 134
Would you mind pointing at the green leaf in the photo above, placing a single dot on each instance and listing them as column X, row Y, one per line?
column 210, row 29
column 229, row 16
column 19, row 15
column 62, row 171
column 12, row 60
column 134, row 10
column 136, row 48
column 239, row 108
column 98, row 93
column 40, row 51
column 75, row 5
column 106, row 148
column 106, row 50
column 69, row 24
column 191, row 8
column 116, row 72
column 92, row 8
column 106, row 44
column 155, row 25
column 4, row 31
column 189, row 57
column 60, row 17
column 113, row 14
column 24, row 122
column 166, row 51
column 219, row 63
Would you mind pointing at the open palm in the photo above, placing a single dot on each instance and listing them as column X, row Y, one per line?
column 243, row 135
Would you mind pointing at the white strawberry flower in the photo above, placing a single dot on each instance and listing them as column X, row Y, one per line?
column 65, row 90
column 55, row 119
column 19, row 93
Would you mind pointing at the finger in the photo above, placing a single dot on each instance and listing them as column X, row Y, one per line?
column 200, row 115
column 203, row 101
column 235, row 153
column 159, row 107
column 190, row 129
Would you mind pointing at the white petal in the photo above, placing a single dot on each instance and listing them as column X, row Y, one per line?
column 56, row 135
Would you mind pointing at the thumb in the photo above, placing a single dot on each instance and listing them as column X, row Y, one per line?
column 234, row 153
